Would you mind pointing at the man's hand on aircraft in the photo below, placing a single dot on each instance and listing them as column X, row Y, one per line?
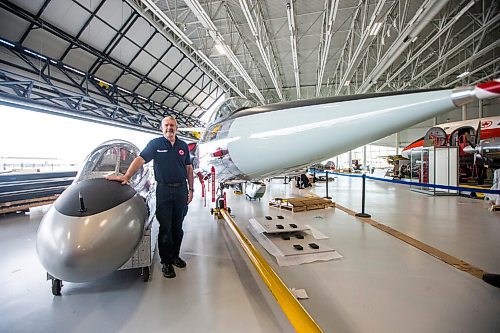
column 118, row 178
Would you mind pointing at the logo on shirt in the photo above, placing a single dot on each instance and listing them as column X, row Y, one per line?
column 162, row 150
column 181, row 152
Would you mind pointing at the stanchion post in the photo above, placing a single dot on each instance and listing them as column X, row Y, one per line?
column 314, row 175
column 363, row 214
column 327, row 196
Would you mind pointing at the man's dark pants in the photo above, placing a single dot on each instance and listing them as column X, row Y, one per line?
column 171, row 207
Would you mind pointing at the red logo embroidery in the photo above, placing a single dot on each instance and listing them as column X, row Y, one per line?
column 181, row 152
column 486, row 123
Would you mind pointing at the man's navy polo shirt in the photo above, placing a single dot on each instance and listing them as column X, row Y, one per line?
column 169, row 161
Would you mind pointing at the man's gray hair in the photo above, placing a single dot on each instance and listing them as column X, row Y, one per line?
column 168, row 117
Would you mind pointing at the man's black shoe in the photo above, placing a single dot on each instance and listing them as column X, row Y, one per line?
column 168, row 271
column 178, row 262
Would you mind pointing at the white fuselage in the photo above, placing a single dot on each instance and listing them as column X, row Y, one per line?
column 270, row 143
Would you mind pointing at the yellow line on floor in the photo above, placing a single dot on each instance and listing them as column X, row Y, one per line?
column 295, row 312
column 451, row 260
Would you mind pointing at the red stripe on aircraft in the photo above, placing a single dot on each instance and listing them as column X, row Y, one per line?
column 491, row 86
column 419, row 143
column 490, row 133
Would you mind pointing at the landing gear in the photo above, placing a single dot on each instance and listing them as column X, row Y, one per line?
column 220, row 203
column 56, row 287
column 216, row 212
column 145, row 274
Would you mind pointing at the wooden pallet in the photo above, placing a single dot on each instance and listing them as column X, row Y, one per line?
column 495, row 208
column 301, row 204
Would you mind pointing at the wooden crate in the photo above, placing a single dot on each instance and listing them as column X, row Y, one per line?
column 301, row 204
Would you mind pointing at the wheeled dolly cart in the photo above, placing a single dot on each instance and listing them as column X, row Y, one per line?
column 142, row 257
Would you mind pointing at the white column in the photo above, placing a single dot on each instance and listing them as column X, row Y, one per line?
column 464, row 112
column 480, row 115
column 397, row 143
column 364, row 158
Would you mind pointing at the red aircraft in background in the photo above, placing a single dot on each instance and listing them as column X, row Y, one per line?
column 478, row 141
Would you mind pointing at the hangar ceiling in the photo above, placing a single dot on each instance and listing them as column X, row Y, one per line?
column 132, row 62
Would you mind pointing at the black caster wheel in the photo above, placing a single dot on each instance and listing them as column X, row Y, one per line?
column 56, row 287
column 229, row 210
column 211, row 211
column 145, row 274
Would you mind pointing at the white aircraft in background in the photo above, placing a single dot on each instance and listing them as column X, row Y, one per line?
column 245, row 142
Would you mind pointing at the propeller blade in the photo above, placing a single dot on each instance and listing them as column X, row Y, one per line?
column 478, row 135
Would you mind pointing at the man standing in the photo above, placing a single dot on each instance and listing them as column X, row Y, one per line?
column 172, row 166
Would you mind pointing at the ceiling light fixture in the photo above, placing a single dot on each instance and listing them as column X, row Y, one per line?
column 220, row 49
column 376, row 28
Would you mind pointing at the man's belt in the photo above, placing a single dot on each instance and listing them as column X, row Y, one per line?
column 173, row 184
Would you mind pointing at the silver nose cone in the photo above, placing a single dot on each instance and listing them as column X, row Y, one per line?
column 85, row 248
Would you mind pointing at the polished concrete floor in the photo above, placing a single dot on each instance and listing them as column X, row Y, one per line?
column 382, row 284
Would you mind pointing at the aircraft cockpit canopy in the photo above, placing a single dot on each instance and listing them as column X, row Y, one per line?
column 231, row 106
column 111, row 157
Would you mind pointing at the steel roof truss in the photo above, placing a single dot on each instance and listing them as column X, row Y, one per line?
column 293, row 44
column 30, row 27
column 329, row 15
column 82, row 29
column 254, row 15
column 214, row 33
column 56, row 31
column 150, row 11
column 366, row 33
column 94, row 82
column 454, row 48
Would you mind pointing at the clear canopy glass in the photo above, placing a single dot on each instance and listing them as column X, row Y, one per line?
column 230, row 106
column 111, row 157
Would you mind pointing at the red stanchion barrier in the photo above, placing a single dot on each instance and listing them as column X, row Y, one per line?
column 212, row 171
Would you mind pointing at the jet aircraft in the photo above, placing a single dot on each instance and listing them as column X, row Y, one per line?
column 246, row 142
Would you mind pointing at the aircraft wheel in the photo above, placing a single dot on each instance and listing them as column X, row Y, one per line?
column 145, row 274
column 56, row 287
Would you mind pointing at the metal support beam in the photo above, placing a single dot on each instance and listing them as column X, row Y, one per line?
column 253, row 13
column 424, row 14
column 290, row 12
column 211, row 29
column 330, row 13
